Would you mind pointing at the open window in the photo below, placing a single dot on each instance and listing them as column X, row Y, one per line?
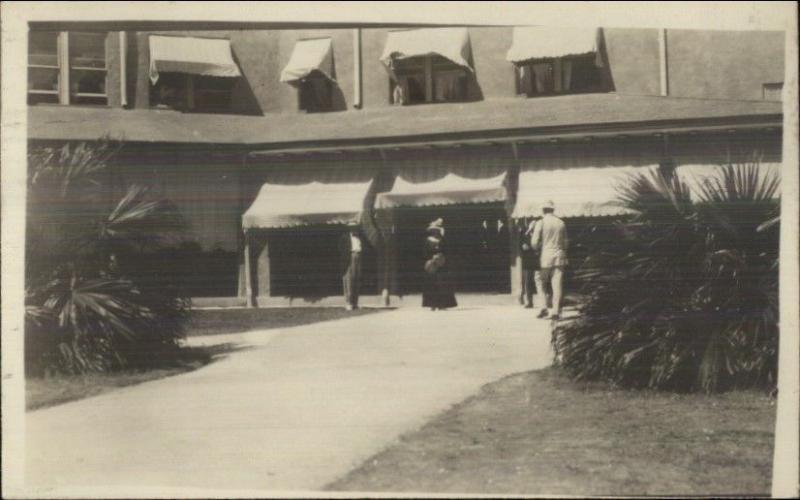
column 67, row 67
column 192, row 74
column 425, row 79
column 315, row 94
column 192, row 93
column 564, row 75
column 311, row 71
column 428, row 65
column 549, row 61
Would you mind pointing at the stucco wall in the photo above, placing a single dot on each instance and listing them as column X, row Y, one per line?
column 375, row 78
column 633, row 60
column 495, row 75
column 723, row 64
column 702, row 64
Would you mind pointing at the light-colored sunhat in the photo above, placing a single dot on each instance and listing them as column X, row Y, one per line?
column 437, row 224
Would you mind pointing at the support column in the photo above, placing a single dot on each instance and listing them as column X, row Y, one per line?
column 390, row 265
column 383, row 273
column 248, row 272
column 357, row 82
column 515, row 260
column 663, row 66
column 262, row 268
column 385, row 257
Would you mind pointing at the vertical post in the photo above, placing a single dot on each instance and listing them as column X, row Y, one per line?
column 557, row 82
column 263, row 269
column 515, row 260
column 386, row 248
column 663, row 66
column 357, row 83
column 248, row 273
column 240, row 242
column 123, row 68
column 785, row 476
column 428, row 79
column 63, row 64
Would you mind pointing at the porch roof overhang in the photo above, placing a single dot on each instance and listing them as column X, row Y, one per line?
column 492, row 121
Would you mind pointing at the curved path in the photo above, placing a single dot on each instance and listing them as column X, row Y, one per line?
column 292, row 410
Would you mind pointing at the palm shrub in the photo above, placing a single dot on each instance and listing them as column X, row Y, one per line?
column 91, row 305
column 685, row 297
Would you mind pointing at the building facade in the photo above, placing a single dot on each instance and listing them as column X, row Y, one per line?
column 271, row 140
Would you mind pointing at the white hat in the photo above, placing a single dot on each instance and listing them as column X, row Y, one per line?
column 437, row 224
column 549, row 204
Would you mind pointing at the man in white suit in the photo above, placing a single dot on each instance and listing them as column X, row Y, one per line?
column 550, row 238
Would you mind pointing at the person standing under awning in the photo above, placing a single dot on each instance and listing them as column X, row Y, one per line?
column 530, row 261
column 438, row 292
column 550, row 237
column 350, row 248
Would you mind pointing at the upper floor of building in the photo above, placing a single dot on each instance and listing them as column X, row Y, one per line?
column 344, row 70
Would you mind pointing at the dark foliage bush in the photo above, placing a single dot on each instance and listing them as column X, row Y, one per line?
column 91, row 304
column 685, row 296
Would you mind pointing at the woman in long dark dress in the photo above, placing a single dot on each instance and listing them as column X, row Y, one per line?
column 438, row 291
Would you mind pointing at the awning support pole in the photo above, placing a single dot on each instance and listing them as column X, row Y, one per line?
column 386, row 258
column 248, row 280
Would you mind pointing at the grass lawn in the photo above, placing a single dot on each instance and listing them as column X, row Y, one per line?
column 540, row 433
column 49, row 391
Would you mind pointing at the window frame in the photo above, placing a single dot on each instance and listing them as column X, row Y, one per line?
column 302, row 91
column 189, row 89
column 427, row 67
column 64, row 93
column 556, row 68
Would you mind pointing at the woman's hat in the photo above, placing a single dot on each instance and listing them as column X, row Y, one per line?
column 438, row 224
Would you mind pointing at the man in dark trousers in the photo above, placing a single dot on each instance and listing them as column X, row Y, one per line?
column 550, row 238
column 530, row 266
column 350, row 249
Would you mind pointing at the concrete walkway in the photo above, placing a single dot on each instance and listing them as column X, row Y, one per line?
column 287, row 410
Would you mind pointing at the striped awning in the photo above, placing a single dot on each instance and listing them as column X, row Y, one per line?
column 309, row 56
column 581, row 179
column 695, row 175
column 196, row 56
column 450, row 43
column 448, row 190
column 576, row 192
column 539, row 42
column 297, row 197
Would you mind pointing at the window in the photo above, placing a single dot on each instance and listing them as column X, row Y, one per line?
column 44, row 73
column 427, row 79
column 772, row 91
column 67, row 68
column 194, row 93
column 87, row 68
column 315, row 93
column 564, row 75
